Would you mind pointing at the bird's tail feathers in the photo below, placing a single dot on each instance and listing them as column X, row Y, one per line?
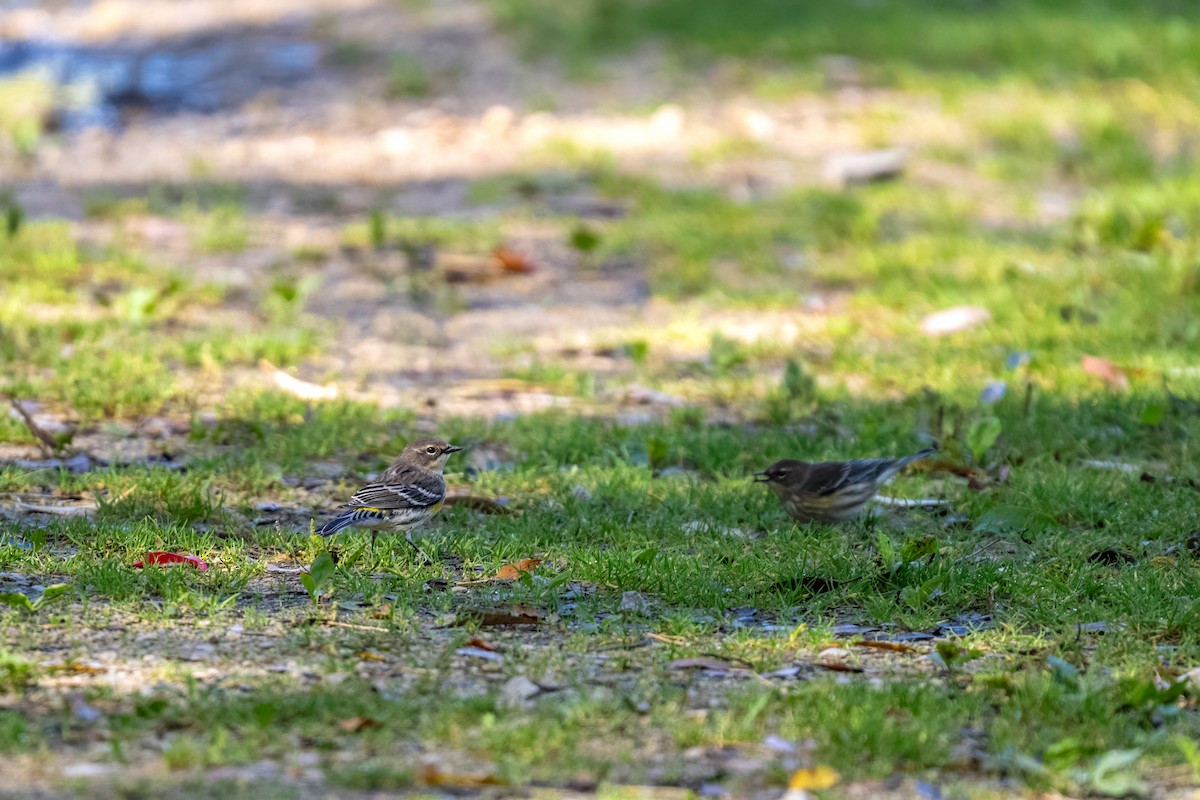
column 901, row 463
column 338, row 523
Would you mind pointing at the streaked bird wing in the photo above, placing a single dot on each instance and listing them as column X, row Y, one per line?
column 401, row 490
column 834, row 477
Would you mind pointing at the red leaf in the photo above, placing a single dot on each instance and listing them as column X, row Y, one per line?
column 159, row 557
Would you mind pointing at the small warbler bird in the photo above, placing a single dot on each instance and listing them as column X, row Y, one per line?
column 407, row 495
column 832, row 491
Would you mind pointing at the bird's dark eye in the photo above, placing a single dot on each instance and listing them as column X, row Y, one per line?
column 431, row 450
column 781, row 473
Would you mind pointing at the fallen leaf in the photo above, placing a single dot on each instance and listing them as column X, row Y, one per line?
column 838, row 666
column 895, row 647
column 701, row 662
column 356, row 724
column 383, row 612
column 494, row 617
column 484, row 505
column 818, row 777
column 75, row 666
column 483, row 645
column 512, row 261
column 161, row 558
column 367, row 655
column 432, row 775
column 513, row 571
column 1107, row 371
column 952, row 320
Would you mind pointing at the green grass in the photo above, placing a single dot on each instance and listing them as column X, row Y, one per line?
column 911, row 43
column 789, row 324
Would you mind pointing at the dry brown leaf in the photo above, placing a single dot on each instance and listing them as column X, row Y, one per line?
column 496, row 617
column 701, row 662
column 511, row 572
column 512, row 261
column 1107, row 371
column 837, row 666
column 483, row 645
column 383, row 612
column 895, row 647
column 86, row 669
column 432, row 775
column 484, row 505
column 356, row 724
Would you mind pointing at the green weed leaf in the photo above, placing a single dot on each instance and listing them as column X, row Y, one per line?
column 982, row 436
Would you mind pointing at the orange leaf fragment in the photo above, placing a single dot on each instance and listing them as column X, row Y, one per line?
column 895, row 647
column 356, row 724
column 432, row 775
column 1107, row 371
column 483, row 645
column 510, row 572
column 512, row 261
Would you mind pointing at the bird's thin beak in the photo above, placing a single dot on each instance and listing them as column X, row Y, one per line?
column 762, row 477
column 452, row 448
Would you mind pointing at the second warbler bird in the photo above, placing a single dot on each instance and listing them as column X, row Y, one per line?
column 407, row 494
column 831, row 491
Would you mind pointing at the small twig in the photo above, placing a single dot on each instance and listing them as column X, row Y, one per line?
column 352, row 626
column 50, row 446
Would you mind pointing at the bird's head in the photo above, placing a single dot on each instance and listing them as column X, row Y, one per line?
column 428, row 453
column 782, row 472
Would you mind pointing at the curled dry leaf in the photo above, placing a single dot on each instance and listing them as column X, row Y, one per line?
column 432, row 775
column 838, row 666
column 512, row 261
column 483, row 645
column 496, row 617
column 895, row 647
column 513, row 571
column 484, row 505
column 1107, row 371
column 356, row 724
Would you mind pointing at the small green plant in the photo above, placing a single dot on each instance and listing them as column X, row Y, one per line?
column 316, row 581
column 982, row 434
column 22, row 601
column 724, row 354
column 407, row 77
column 377, row 229
column 953, row 656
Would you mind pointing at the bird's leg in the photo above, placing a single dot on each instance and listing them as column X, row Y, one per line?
column 425, row 560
